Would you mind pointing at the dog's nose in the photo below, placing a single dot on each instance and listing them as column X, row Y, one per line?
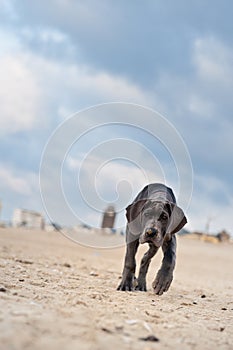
column 151, row 232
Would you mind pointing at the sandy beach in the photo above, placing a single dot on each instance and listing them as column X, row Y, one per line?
column 56, row 294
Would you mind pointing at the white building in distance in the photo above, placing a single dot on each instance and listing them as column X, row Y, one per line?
column 27, row 218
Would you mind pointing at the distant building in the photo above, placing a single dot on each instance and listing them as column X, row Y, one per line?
column 109, row 217
column 27, row 218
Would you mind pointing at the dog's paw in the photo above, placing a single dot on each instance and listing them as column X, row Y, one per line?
column 141, row 285
column 162, row 282
column 126, row 284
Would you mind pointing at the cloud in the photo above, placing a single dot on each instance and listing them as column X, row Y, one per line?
column 8, row 10
column 159, row 34
column 10, row 180
column 200, row 103
column 19, row 95
column 212, row 89
column 213, row 61
column 34, row 89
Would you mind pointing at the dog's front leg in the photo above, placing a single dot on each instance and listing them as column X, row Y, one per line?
column 130, row 263
column 164, row 276
column 145, row 262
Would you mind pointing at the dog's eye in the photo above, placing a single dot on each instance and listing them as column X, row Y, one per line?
column 163, row 217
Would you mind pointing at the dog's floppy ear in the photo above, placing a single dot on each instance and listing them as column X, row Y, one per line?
column 134, row 209
column 133, row 216
column 177, row 219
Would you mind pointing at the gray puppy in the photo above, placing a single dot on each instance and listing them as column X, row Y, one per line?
column 153, row 218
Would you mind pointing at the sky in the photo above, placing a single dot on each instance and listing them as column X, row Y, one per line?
column 60, row 57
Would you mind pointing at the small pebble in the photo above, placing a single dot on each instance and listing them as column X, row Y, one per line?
column 24, row 261
column 203, row 296
column 3, row 289
column 106, row 330
column 21, row 280
column 92, row 273
column 150, row 338
column 224, row 308
column 66, row 265
column 131, row 322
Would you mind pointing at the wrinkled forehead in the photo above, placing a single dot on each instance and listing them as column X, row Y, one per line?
column 155, row 207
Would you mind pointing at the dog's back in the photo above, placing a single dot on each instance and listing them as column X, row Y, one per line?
column 156, row 192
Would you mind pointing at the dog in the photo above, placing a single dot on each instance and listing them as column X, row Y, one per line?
column 152, row 218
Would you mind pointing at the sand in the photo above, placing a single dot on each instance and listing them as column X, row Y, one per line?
column 56, row 294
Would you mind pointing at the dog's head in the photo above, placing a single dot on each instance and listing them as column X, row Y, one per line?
column 154, row 221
